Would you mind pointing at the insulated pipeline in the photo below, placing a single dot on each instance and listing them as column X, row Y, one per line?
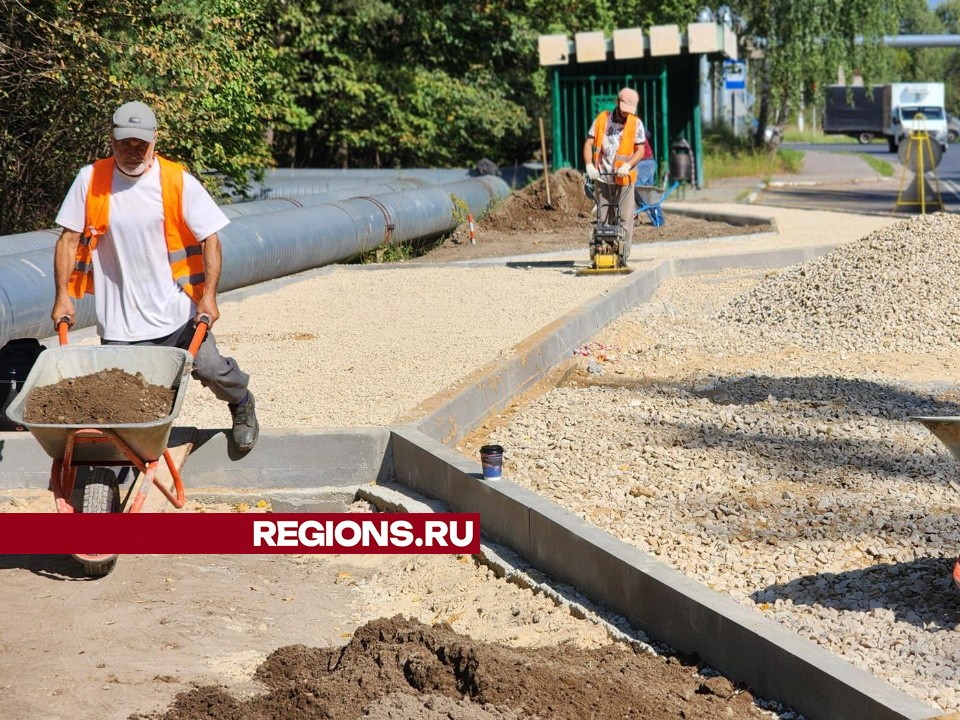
column 277, row 244
column 265, row 246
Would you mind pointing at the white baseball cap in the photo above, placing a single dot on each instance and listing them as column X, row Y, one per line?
column 134, row 120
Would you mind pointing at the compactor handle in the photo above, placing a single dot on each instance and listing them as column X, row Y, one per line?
column 203, row 324
column 63, row 324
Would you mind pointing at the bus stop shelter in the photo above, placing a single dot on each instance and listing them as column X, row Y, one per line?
column 662, row 63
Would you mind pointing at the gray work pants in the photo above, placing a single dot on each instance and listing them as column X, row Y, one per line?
column 612, row 195
column 221, row 374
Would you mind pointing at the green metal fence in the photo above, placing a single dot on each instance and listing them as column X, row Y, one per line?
column 578, row 100
column 670, row 110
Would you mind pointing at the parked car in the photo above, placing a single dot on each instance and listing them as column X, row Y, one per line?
column 953, row 128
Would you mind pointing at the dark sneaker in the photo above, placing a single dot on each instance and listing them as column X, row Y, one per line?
column 245, row 425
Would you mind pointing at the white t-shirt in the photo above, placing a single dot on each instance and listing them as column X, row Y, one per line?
column 611, row 141
column 136, row 297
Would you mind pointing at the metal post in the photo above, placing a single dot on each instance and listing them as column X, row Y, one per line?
column 665, row 123
column 706, row 91
column 558, row 159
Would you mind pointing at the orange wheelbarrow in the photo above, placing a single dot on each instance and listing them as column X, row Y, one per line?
column 96, row 448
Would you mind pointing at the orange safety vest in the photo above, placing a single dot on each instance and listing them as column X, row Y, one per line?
column 623, row 152
column 183, row 249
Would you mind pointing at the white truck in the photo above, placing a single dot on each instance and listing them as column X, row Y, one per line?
column 915, row 107
column 887, row 110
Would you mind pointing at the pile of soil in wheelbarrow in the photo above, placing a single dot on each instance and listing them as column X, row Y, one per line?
column 108, row 397
column 400, row 668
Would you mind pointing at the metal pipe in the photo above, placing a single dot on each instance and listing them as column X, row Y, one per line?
column 432, row 175
column 311, row 199
column 269, row 245
column 278, row 244
column 915, row 41
column 310, row 181
column 25, row 242
column 45, row 239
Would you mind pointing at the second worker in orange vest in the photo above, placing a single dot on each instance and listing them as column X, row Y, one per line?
column 142, row 232
column 611, row 152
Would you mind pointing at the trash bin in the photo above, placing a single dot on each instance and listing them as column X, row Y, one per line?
column 681, row 161
column 16, row 360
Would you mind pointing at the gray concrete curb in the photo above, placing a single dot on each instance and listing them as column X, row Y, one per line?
column 448, row 418
column 671, row 607
column 656, row 599
column 730, row 218
column 290, row 458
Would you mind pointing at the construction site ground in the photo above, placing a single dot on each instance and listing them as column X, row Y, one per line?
column 162, row 625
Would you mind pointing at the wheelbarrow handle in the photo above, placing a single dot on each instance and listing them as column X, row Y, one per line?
column 203, row 324
column 63, row 325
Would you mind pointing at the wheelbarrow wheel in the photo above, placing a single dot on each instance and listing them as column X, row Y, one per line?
column 97, row 491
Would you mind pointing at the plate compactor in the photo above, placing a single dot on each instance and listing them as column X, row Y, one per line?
column 607, row 236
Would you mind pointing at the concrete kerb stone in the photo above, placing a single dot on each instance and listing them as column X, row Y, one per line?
column 491, row 388
column 305, row 459
column 494, row 385
column 672, row 607
column 735, row 219
column 653, row 597
column 292, row 458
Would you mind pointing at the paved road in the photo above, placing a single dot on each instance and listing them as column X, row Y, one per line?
column 834, row 168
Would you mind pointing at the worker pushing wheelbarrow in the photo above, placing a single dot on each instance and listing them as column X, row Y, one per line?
column 103, row 444
column 145, row 233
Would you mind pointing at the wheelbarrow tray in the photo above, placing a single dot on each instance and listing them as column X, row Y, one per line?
column 164, row 366
column 945, row 428
column 652, row 196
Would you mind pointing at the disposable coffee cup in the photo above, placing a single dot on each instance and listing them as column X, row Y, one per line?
column 491, row 458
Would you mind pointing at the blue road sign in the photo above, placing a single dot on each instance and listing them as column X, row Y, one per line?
column 734, row 75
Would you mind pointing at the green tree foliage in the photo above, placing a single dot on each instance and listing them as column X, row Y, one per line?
column 403, row 82
column 949, row 15
column 209, row 68
column 918, row 64
column 801, row 43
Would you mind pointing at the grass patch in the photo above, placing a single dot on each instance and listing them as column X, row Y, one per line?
column 726, row 155
column 881, row 166
column 817, row 138
column 390, row 253
column 792, row 160
column 751, row 163
column 387, row 253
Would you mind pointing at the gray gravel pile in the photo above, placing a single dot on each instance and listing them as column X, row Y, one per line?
column 808, row 495
column 894, row 290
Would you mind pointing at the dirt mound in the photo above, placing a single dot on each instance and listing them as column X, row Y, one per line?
column 435, row 665
column 107, row 397
column 527, row 209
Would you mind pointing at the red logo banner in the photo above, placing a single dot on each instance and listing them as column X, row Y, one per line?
column 239, row 533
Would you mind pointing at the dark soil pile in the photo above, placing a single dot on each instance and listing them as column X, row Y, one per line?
column 109, row 397
column 527, row 209
column 387, row 658
column 523, row 224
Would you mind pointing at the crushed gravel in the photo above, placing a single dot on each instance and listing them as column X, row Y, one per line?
column 894, row 290
column 788, row 476
column 360, row 347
